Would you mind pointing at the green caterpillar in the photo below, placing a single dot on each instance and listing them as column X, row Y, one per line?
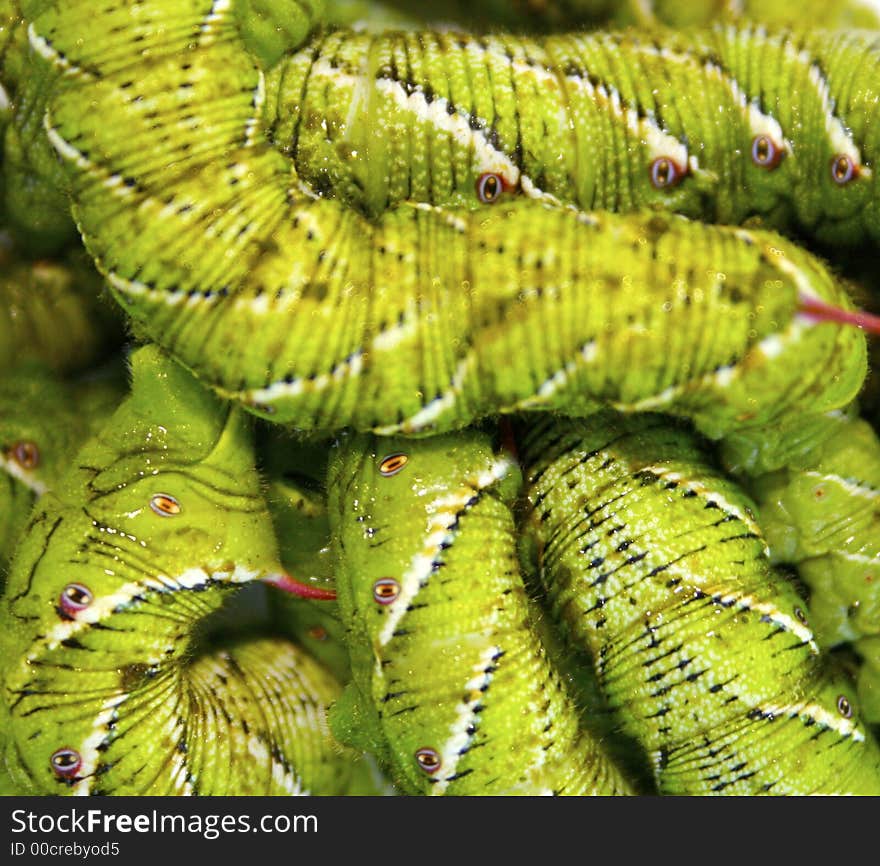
column 654, row 562
column 725, row 125
column 819, row 513
column 337, row 377
column 315, row 317
column 520, row 14
column 429, row 582
column 43, row 422
column 814, row 484
column 112, row 682
column 39, row 430
column 33, row 201
column 474, row 116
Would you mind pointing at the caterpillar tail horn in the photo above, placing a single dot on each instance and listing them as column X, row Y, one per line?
column 820, row 311
column 287, row 583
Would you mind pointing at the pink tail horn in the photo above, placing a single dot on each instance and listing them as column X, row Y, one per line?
column 819, row 311
column 286, row 583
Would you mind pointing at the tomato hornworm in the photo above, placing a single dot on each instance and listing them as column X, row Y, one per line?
column 550, row 15
column 654, row 562
column 228, row 264
column 111, row 681
column 443, row 647
column 43, row 422
column 725, row 125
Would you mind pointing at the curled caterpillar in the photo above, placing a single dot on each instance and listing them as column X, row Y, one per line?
column 724, row 125
column 425, row 320
column 443, row 649
column 110, row 684
column 654, row 562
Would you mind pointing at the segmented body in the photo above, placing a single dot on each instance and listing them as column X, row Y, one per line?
column 110, row 683
column 311, row 315
column 704, row 650
column 555, row 15
column 420, row 320
column 43, row 422
column 819, row 512
column 452, row 687
column 724, row 125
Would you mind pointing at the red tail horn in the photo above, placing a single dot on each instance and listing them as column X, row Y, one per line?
column 286, row 583
column 822, row 312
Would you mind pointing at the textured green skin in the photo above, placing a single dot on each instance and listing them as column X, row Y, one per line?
column 51, row 312
column 13, row 42
column 653, row 562
column 519, row 14
column 370, row 15
column 580, row 118
column 868, row 677
column 16, row 501
column 157, row 712
column 840, row 15
column 815, row 482
column 756, row 452
column 820, row 513
column 37, row 407
column 270, row 27
column 460, row 669
column 35, row 204
column 33, row 197
column 223, row 263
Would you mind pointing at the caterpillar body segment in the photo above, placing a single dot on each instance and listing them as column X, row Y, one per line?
column 43, row 423
column 297, row 499
column 109, row 685
column 727, row 125
column 539, row 16
column 451, row 686
column 654, row 562
column 819, row 513
column 406, row 324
